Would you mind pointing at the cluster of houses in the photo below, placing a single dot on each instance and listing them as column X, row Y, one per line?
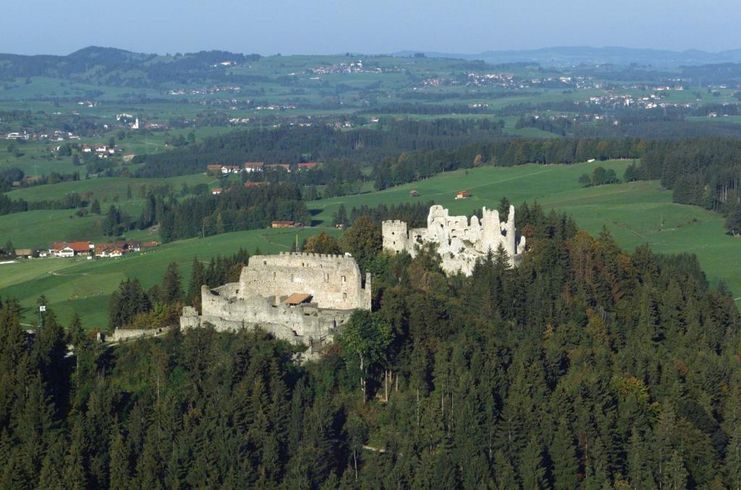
column 85, row 248
column 101, row 151
column 254, row 167
column 54, row 136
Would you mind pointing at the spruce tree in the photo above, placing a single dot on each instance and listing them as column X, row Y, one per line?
column 197, row 279
column 563, row 455
column 172, row 290
column 120, row 472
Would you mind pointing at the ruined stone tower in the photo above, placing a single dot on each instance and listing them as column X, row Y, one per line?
column 459, row 242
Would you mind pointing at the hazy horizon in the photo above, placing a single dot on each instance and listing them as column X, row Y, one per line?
column 379, row 27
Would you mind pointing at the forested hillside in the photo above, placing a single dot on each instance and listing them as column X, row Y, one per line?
column 586, row 367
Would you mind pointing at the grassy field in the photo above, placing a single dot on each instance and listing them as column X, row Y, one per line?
column 635, row 213
column 39, row 228
column 84, row 286
column 105, row 188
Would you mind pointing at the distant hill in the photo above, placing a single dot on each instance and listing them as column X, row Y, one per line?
column 119, row 67
column 564, row 56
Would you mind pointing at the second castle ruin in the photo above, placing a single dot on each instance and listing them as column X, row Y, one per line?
column 460, row 242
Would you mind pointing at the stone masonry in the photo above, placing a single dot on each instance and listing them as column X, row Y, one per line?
column 328, row 287
column 459, row 242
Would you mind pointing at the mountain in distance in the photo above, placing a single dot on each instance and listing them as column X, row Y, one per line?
column 577, row 55
column 120, row 67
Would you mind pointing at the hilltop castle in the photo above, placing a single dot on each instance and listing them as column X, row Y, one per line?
column 460, row 243
column 299, row 297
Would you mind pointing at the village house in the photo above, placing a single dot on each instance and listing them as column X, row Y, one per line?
column 279, row 166
column 254, row 185
column 108, row 250
column 70, row 249
column 307, row 166
column 216, row 191
column 23, row 253
column 230, row 169
column 117, row 249
column 250, row 167
column 285, row 224
column 462, row 195
column 213, row 168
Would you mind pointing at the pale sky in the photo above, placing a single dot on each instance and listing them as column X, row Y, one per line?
column 365, row 26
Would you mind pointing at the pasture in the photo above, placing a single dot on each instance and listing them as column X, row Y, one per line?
column 635, row 213
column 84, row 286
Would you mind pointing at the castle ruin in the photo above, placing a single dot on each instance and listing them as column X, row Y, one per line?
column 460, row 242
column 299, row 297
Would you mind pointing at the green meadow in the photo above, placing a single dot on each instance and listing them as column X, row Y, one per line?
column 105, row 188
column 84, row 286
column 39, row 228
column 635, row 213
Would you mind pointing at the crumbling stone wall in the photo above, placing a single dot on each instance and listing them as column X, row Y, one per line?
column 333, row 281
column 258, row 299
column 459, row 242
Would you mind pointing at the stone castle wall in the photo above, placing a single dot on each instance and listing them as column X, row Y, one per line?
column 258, row 299
column 333, row 281
column 460, row 242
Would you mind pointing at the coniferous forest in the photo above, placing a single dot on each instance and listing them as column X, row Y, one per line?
column 585, row 367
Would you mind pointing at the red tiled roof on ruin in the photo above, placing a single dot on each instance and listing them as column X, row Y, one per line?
column 297, row 299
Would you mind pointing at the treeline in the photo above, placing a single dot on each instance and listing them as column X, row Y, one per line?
column 69, row 201
column 585, row 367
column 429, row 109
column 412, row 166
column 196, row 212
column 131, row 306
column 704, row 173
column 602, row 176
column 560, row 126
column 234, row 210
column 317, row 143
column 414, row 214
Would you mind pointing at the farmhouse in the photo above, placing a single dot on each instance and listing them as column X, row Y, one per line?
column 298, row 297
column 279, row 166
column 23, row 253
column 71, row 249
column 250, row 167
column 116, row 249
column 213, row 169
column 254, row 185
column 462, row 195
column 108, row 250
column 285, row 224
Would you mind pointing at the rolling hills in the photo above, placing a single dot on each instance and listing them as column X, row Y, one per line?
column 635, row 213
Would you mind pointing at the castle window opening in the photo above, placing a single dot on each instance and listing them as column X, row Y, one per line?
column 344, row 278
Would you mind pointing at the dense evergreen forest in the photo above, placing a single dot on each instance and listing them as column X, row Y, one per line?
column 318, row 143
column 586, row 367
